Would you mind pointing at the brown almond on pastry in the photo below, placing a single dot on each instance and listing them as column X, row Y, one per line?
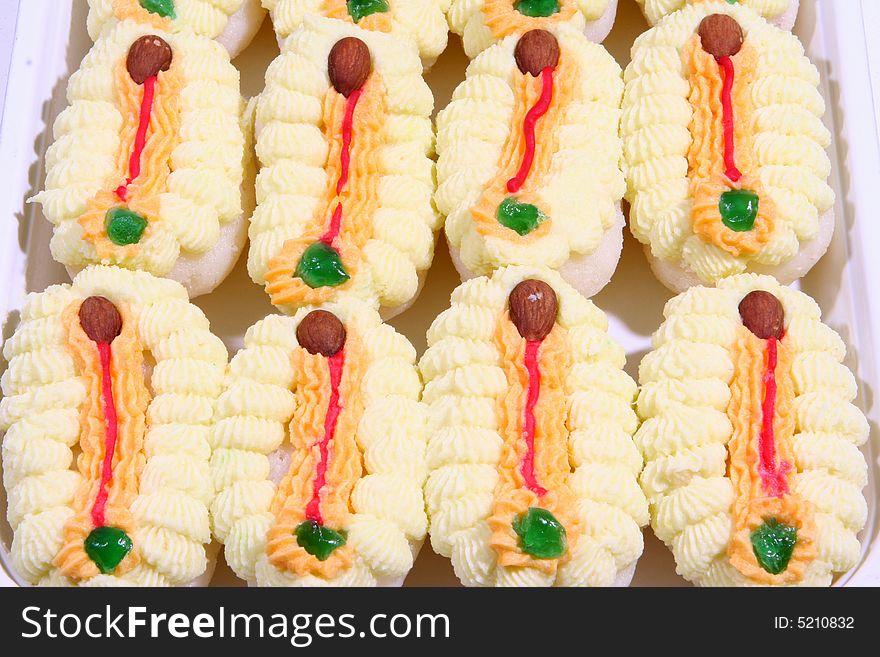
column 535, row 51
column 762, row 313
column 720, row 35
column 349, row 65
column 147, row 57
column 100, row 319
column 533, row 307
column 321, row 332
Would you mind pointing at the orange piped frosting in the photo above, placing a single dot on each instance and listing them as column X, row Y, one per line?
column 306, row 431
column 132, row 10
column 752, row 505
column 502, row 19
column 707, row 177
column 132, row 400
column 378, row 22
column 552, row 469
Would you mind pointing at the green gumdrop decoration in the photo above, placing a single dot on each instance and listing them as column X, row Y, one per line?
column 520, row 217
column 317, row 540
column 124, row 226
column 321, row 266
column 739, row 209
column 164, row 8
column 536, row 8
column 732, row 2
column 773, row 542
column 107, row 547
column 357, row 9
column 540, row 534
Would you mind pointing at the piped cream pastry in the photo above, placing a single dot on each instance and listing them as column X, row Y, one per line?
column 482, row 23
column 528, row 169
column 420, row 21
column 149, row 159
column 781, row 13
column 724, row 148
column 107, row 405
column 233, row 23
column 344, row 139
column 319, row 451
column 751, row 439
column 532, row 468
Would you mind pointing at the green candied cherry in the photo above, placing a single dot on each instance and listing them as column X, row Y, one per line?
column 520, row 217
column 739, row 209
column 107, row 547
column 357, row 9
column 321, row 266
column 773, row 543
column 124, row 226
column 317, row 540
column 536, row 8
column 164, row 8
column 540, row 534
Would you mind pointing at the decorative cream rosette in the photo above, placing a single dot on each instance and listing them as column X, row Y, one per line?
column 482, row 23
column 110, row 484
column 148, row 159
column 751, row 439
column 779, row 12
column 532, row 468
column 344, row 194
column 724, row 146
column 421, row 21
column 528, row 169
column 319, row 451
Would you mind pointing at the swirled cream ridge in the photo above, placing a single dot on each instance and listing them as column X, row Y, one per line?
column 575, row 182
column 421, row 21
column 593, row 483
column 256, row 444
column 191, row 188
column 43, row 395
column 689, row 400
column 779, row 131
column 385, row 236
column 656, row 10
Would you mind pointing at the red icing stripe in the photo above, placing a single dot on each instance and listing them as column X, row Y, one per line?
column 536, row 112
column 534, row 391
column 110, row 433
column 347, row 130
column 140, row 140
column 728, row 72
column 773, row 477
column 336, row 362
column 335, row 226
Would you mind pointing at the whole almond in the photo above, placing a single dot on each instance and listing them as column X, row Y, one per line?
column 720, row 35
column 535, row 51
column 533, row 307
column 100, row 319
column 762, row 313
column 349, row 65
column 147, row 57
column 321, row 332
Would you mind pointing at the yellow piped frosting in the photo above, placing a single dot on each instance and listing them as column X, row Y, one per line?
column 203, row 17
column 482, row 23
column 44, row 389
column 195, row 176
column 656, row 10
column 388, row 221
column 385, row 425
column 576, row 180
column 687, row 383
column 784, row 142
column 465, row 382
column 420, row 21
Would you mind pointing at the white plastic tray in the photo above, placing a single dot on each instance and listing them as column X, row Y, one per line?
column 50, row 41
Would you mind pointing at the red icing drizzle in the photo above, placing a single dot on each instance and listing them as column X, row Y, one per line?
column 534, row 391
column 335, row 226
column 773, row 476
column 347, row 130
column 110, row 433
column 336, row 362
column 726, row 65
column 538, row 110
column 140, row 140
